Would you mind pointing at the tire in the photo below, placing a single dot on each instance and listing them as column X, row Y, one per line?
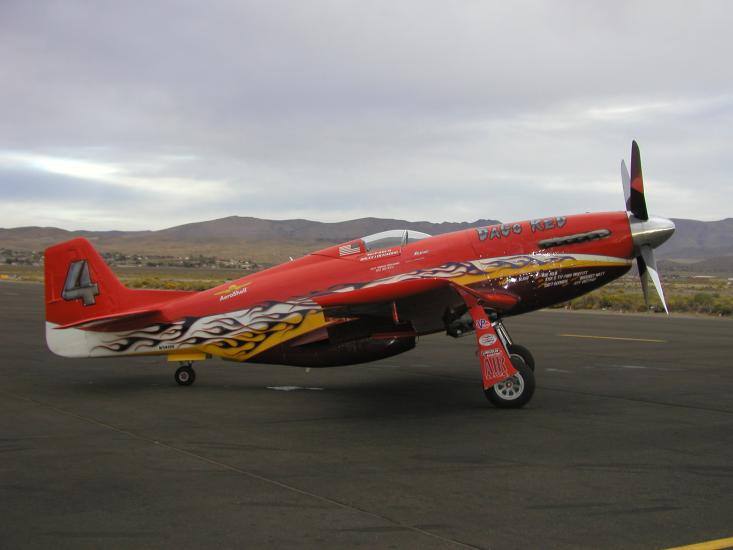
column 185, row 376
column 504, row 395
column 524, row 353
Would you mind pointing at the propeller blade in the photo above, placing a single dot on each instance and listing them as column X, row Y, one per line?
column 647, row 253
column 641, row 264
column 637, row 202
column 626, row 183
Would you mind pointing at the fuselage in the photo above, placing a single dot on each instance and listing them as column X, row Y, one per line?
column 393, row 288
column 555, row 259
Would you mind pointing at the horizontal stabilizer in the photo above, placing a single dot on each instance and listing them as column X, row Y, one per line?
column 117, row 321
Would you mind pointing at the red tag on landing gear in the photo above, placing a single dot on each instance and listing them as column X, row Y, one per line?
column 495, row 362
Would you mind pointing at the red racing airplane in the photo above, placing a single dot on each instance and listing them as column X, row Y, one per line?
column 365, row 299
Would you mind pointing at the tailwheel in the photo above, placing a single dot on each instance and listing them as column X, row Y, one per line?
column 524, row 353
column 516, row 391
column 185, row 375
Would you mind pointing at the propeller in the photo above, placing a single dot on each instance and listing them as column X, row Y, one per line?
column 647, row 232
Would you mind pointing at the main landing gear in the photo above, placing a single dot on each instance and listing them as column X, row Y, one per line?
column 515, row 391
column 507, row 369
column 185, row 375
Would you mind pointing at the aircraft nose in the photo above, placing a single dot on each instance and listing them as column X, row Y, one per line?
column 652, row 232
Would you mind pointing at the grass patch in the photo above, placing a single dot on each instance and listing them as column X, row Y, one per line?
column 685, row 294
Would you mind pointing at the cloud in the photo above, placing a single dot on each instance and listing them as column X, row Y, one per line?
column 330, row 110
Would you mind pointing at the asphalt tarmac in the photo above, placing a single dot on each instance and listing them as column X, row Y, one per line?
column 628, row 443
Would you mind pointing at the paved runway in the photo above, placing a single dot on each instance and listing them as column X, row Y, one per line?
column 626, row 444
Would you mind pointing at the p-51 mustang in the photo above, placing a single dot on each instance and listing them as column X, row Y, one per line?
column 365, row 299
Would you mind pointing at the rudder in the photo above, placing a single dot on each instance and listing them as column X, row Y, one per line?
column 79, row 284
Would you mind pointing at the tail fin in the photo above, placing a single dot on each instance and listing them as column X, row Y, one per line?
column 82, row 292
column 79, row 284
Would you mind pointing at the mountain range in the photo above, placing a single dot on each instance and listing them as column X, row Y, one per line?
column 264, row 241
column 273, row 241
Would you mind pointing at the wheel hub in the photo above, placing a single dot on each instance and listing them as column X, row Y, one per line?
column 511, row 388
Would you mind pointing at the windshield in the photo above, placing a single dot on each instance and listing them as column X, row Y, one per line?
column 393, row 237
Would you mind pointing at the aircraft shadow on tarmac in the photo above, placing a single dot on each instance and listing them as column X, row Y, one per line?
column 394, row 395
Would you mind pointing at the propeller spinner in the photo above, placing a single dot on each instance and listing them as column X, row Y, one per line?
column 647, row 232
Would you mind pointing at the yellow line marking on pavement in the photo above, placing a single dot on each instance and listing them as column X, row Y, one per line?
column 613, row 338
column 719, row 544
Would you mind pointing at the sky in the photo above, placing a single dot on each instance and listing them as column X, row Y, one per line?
column 146, row 115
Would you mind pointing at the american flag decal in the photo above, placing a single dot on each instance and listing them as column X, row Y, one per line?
column 348, row 249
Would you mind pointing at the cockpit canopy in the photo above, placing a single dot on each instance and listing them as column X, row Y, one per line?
column 393, row 237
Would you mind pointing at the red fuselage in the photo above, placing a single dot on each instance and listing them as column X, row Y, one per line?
column 327, row 276
column 358, row 301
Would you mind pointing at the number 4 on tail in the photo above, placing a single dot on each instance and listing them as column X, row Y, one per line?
column 79, row 285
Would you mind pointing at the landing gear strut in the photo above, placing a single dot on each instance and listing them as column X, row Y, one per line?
column 506, row 368
column 185, row 375
column 515, row 391
column 511, row 347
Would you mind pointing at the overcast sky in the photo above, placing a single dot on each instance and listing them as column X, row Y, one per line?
column 144, row 115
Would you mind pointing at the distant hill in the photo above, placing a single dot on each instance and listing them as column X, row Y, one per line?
column 256, row 229
column 696, row 240
column 272, row 241
column 265, row 241
column 719, row 265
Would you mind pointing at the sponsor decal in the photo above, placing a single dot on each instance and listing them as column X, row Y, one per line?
column 231, row 292
column 587, row 277
column 349, row 249
column 420, row 252
column 559, row 278
column 494, row 365
column 384, row 267
column 380, row 254
column 487, row 340
column 481, row 323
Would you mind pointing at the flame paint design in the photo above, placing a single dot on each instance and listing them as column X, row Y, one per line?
column 232, row 334
column 445, row 271
column 242, row 334
column 454, row 270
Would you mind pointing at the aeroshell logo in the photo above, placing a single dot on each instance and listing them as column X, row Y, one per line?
column 232, row 291
column 487, row 340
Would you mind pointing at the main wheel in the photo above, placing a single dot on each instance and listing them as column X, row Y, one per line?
column 516, row 349
column 515, row 391
column 185, row 375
